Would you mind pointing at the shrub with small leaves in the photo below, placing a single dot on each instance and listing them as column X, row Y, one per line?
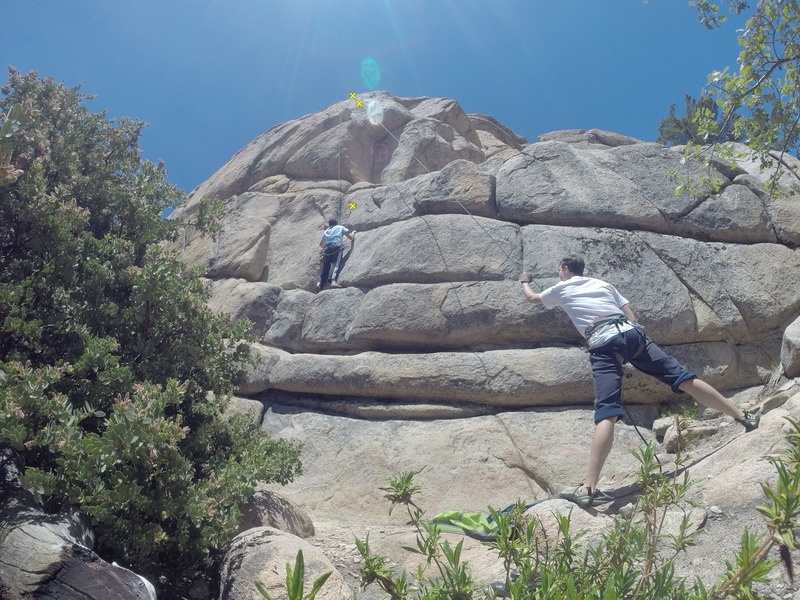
column 114, row 373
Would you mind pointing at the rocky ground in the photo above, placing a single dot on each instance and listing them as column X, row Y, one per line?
column 717, row 542
column 720, row 513
column 337, row 541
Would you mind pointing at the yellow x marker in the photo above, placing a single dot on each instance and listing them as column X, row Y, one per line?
column 352, row 95
column 352, row 206
column 359, row 103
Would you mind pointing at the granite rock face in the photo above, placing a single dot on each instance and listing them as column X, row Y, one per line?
column 449, row 209
column 261, row 553
column 429, row 359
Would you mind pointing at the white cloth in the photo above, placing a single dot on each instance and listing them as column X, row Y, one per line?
column 587, row 300
column 334, row 235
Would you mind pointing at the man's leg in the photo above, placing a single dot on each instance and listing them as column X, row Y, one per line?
column 324, row 276
column 607, row 380
column 602, row 441
column 664, row 367
column 708, row 396
column 335, row 265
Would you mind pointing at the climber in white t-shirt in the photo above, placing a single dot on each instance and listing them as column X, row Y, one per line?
column 604, row 317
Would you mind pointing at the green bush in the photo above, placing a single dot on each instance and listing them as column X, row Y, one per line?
column 114, row 374
column 634, row 560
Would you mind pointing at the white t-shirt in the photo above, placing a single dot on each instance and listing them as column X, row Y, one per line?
column 587, row 300
column 334, row 235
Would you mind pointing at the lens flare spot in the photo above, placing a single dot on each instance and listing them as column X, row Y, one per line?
column 374, row 112
column 370, row 73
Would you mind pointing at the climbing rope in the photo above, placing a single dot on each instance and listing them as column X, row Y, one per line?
column 452, row 196
column 339, row 171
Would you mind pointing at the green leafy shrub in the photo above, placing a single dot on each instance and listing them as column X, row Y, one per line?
column 114, row 373
column 634, row 560
column 758, row 102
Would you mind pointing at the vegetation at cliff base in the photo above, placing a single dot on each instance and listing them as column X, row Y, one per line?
column 634, row 558
column 114, row 374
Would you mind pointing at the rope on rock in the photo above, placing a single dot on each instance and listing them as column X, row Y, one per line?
column 339, row 172
column 447, row 191
column 452, row 196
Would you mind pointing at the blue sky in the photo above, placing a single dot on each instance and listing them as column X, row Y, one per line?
column 208, row 76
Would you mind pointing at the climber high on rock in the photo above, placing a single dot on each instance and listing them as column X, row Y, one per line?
column 331, row 244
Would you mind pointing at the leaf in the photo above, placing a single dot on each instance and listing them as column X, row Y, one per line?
column 262, row 590
column 320, row 581
column 294, row 579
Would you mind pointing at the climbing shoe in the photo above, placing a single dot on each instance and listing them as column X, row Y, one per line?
column 501, row 591
column 586, row 499
column 750, row 421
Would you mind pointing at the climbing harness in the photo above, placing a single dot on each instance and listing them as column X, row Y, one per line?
column 617, row 321
column 603, row 323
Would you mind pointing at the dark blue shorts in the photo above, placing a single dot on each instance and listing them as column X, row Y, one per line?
column 635, row 347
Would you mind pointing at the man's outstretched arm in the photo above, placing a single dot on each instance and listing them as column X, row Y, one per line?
column 530, row 294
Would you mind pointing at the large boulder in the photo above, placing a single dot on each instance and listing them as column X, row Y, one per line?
column 450, row 208
column 447, row 224
column 790, row 350
column 261, row 554
column 46, row 555
column 435, row 248
column 431, row 359
column 460, row 185
column 254, row 301
column 268, row 509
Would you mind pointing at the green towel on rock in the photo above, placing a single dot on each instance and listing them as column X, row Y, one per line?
column 475, row 525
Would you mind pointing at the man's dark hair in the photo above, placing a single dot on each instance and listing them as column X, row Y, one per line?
column 332, row 222
column 573, row 262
